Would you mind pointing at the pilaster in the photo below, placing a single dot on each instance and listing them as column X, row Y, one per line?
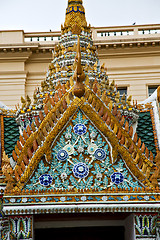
column 20, row 227
column 146, row 227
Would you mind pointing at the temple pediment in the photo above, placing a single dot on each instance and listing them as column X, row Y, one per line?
column 82, row 145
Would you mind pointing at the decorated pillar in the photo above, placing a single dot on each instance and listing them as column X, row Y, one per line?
column 4, row 228
column 20, row 227
column 4, row 222
column 147, row 226
column 16, row 228
column 158, row 227
column 1, row 218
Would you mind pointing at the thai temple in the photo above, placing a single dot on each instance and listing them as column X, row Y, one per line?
column 79, row 161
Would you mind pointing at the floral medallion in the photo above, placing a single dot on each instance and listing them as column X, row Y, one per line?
column 45, row 180
column 80, row 129
column 62, row 155
column 117, row 178
column 92, row 148
column 80, row 170
column 69, row 149
column 100, row 154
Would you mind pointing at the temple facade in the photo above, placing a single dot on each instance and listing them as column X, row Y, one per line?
column 80, row 160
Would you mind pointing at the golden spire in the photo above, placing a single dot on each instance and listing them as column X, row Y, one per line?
column 79, row 75
column 75, row 20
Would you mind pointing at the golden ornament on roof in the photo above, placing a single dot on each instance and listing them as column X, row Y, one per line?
column 107, row 84
column 129, row 99
column 103, row 83
column 35, row 98
column 123, row 99
column 23, row 101
column 28, row 101
column 75, row 20
column 57, row 67
column 95, row 66
column 79, row 75
column 117, row 97
column 102, row 67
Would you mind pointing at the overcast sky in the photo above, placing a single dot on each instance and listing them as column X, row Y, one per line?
column 43, row 15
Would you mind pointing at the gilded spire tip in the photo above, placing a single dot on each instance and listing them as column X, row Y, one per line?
column 75, row 20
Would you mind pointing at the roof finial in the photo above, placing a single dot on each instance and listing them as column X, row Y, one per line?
column 75, row 20
column 79, row 75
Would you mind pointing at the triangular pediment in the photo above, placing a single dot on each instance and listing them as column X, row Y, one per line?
column 82, row 124
column 82, row 159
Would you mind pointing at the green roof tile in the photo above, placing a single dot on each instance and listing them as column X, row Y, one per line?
column 11, row 135
column 145, row 131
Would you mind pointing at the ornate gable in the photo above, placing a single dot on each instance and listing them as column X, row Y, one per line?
column 82, row 159
column 89, row 149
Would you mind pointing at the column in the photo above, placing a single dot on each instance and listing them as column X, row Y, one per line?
column 21, row 227
column 146, row 226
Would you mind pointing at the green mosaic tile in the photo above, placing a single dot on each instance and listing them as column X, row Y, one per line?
column 11, row 135
column 145, row 131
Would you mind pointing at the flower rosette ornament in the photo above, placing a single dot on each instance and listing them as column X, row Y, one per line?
column 100, row 154
column 62, row 155
column 117, row 178
column 92, row 148
column 80, row 170
column 69, row 149
column 45, row 180
column 80, row 129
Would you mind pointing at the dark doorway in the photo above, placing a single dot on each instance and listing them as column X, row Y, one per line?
column 80, row 233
